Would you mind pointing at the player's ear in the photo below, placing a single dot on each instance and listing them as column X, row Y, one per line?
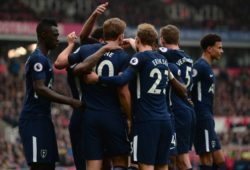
column 162, row 41
column 137, row 40
column 43, row 35
column 209, row 49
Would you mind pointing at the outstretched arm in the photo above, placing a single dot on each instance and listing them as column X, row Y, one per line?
column 118, row 80
column 86, row 65
column 89, row 24
column 62, row 59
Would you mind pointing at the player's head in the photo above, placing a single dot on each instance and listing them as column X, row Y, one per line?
column 98, row 34
column 212, row 45
column 113, row 29
column 169, row 34
column 47, row 33
column 146, row 35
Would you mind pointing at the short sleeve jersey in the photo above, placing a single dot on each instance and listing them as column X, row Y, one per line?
column 37, row 67
column 203, row 88
column 150, row 86
column 184, row 63
column 100, row 97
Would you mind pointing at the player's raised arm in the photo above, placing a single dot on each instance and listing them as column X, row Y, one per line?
column 89, row 24
column 86, row 65
column 62, row 59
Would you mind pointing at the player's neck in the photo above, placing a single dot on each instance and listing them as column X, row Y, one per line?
column 43, row 49
column 142, row 48
column 207, row 57
column 172, row 46
column 115, row 41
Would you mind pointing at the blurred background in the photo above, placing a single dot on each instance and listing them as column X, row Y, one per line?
column 195, row 18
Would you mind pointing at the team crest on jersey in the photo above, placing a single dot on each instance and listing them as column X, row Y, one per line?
column 134, row 61
column 38, row 67
column 43, row 153
column 195, row 72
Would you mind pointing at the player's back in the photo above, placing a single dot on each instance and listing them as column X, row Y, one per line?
column 37, row 67
column 203, row 88
column 184, row 64
column 150, row 86
column 100, row 97
column 183, row 61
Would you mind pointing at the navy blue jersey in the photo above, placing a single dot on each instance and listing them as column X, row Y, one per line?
column 151, row 84
column 173, row 97
column 37, row 67
column 72, row 81
column 183, row 61
column 183, row 73
column 100, row 97
column 203, row 88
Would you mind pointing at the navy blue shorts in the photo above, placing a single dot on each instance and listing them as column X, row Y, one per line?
column 76, row 138
column 206, row 139
column 105, row 134
column 184, row 127
column 151, row 142
column 39, row 140
column 173, row 145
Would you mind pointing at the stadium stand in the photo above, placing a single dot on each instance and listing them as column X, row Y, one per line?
column 193, row 14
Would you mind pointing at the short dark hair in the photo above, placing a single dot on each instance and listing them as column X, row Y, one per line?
column 44, row 24
column 97, row 33
column 209, row 40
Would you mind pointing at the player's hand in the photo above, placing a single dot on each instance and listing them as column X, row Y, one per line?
column 71, row 37
column 129, row 123
column 101, row 9
column 91, row 78
column 128, row 42
column 190, row 101
column 76, row 104
column 111, row 46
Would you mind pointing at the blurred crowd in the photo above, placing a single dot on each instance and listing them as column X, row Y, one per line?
column 233, row 93
column 202, row 14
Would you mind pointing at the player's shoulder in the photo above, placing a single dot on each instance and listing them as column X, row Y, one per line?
column 37, row 56
column 120, row 52
column 93, row 46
